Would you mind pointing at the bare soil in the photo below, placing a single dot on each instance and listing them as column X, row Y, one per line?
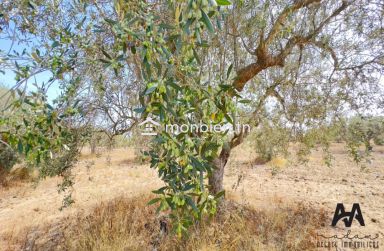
column 115, row 174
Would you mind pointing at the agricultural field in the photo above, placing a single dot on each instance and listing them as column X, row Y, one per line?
column 277, row 205
column 191, row 125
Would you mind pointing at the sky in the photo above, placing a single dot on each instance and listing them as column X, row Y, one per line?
column 8, row 79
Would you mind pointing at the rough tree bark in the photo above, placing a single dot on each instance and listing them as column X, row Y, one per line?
column 215, row 180
column 265, row 60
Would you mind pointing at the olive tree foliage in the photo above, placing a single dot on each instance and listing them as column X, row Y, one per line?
column 361, row 131
column 304, row 62
column 270, row 140
column 46, row 134
column 307, row 62
column 8, row 157
column 167, row 62
column 60, row 38
column 108, row 105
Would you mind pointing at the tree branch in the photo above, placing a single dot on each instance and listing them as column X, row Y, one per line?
column 280, row 21
column 265, row 60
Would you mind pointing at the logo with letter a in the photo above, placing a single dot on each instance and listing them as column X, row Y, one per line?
column 348, row 216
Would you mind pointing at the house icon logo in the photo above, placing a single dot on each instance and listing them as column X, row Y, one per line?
column 149, row 127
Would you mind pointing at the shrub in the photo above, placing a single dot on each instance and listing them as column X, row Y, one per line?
column 8, row 157
column 379, row 139
column 361, row 131
column 270, row 141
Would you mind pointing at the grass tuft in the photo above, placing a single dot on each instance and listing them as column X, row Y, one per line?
column 129, row 224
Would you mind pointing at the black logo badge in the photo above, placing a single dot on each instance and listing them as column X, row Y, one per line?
column 348, row 216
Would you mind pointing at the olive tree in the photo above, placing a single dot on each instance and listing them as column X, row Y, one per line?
column 305, row 62
column 308, row 59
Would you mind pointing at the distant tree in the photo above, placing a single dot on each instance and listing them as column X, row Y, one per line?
column 8, row 156
column 364, row 131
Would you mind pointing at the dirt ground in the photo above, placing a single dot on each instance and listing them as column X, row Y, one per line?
column 114, row 174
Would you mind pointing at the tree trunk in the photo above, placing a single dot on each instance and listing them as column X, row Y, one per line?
column 92, row 143
column 215, row 180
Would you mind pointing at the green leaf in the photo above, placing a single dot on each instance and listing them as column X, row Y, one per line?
column 166, row 26
column 175, row 86
column 228, row 118
column 162, row 114
column 160, row 190
column 153, row 201
column 106, row 54
column 81, row 23
column 192, row 204
column 198, row 37
column 225, row 87
column 150, row 90
column 32, row 5
column 133, row 49
column 207, row 21
column 187, row 25
column 98, row 30
column 26, row 123
column 110, row 21
column 188, row 187
column 196, row 163
column 223, row 2
column 27, row 149
column 229, row 70
column 20, row 146
column 245, row 101
column 139, row 110
column 220, row 194
column 218, row 23
column 196, row 56
column 55, row 44
column 163, row 206
column 35, row 57
column 104, row 61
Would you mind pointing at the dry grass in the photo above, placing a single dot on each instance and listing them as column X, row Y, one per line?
column 128, row 224
column 3, row 177
column 110, row 212
column 17, row 174
column 278, row 162
column 259, row 161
